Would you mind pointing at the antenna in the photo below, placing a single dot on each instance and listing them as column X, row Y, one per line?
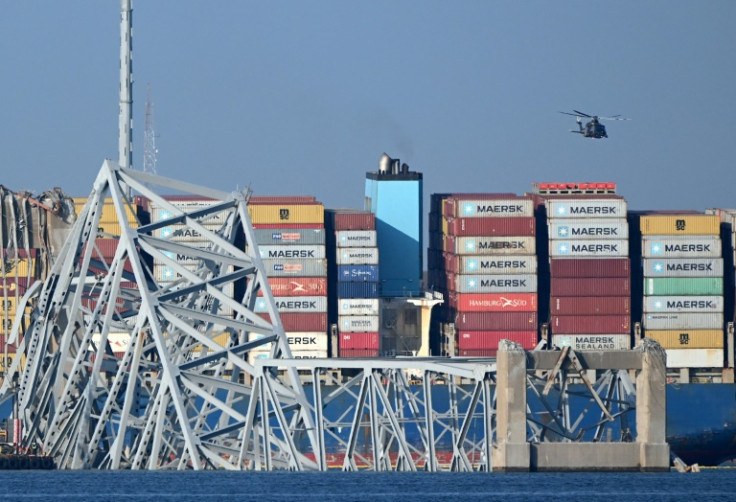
column 125, row 121
column 150, row 152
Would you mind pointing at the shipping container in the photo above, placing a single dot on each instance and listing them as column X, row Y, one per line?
column 362, row 289
column 187, row 204
column 494, row 302
column 357, row 323
column 683, row 304
column 301, row 322
column 590, row 305
column 297, row 286
column 683, row 286
column 299, row 340
column 677, row 320
column 166, row 273
column 295, row 268
column 590, row 286
column 593, row 228
column 478, row 353
column 593, row 342
column 357, row 306
column 350, row 219
column 695, row 358
column 681, row 247
column 260, row 354
column 502, row 207
column 108, row 213
column 15, row 286
column 352, row 341
column 681, row 224
column 478, row 245
column 687, row 339
column 356, row 238
column 474, row 264
column 292, row 252
column 281, row 199
column 297, row 236
column 294, row 304
column 286, row 213
column 683, row 267
column 589, row 248
column 586, row 208
column 357, row 273
column 183, row 233
column 496, row 321
column 508, row 283
column 590, row 267
column 501, row 227
column 593, row 324
column 288, row 226
column 357, row 256
column 359, row 353
column 475, row 340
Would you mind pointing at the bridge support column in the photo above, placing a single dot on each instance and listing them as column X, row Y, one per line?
column 651, row 409
column 511, row 453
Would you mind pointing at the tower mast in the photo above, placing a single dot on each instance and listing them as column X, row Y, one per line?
column 150, row 152
column 125, row 122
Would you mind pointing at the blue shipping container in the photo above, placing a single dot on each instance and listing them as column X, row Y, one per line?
column 357, row 273
column 357, row 290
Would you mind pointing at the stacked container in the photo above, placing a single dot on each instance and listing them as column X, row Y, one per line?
column 19, row 270
column 353, row 244
column 590, row 273
column 490, row 271
column 290, row 235
column 683, row 287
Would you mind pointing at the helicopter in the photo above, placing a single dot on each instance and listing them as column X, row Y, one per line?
column 593, row 128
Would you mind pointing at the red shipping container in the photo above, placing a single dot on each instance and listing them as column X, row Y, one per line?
column 474, row 340
column 590, row 286
column 297, row 286
column 20, row 253
column 591, row 267
column 15, row 286
column 354, row 221
column 503, row 227
column 351, row 341
column 354, row 353
column 590, row 325
column 496, row 321
column 302, row 322
column 477, row 353
column 493, row 302
column 288, row 225
column 282, row 199
column 587, row 305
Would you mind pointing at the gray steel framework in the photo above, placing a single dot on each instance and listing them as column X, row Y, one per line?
column 184, row 395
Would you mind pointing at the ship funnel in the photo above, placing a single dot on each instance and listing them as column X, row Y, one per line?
column 384, row 164
column 395, row 166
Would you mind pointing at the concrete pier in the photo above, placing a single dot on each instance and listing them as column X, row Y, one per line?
column 649, row 452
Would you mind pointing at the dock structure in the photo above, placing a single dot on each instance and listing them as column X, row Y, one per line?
column 184, row 394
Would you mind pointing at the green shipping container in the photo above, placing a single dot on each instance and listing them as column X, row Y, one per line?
column 667, row 286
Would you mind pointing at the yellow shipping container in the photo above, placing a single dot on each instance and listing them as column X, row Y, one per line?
column 682, row 224
column 444, row 226
column 108, row 211
column 11, row 358
column 688, row 339
column 19, row 267
column 286, row 213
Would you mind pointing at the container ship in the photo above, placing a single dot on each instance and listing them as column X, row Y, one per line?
column 567, row 264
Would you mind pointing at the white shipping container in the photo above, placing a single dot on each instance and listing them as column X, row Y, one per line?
column 492, row 265
column 356, row 238
column 255, row 355
column 159, row 213
column 357, row 306
column 292, row 252
column 592, row 228
column 683, row 304
column 308, row 340
column 696, row 246
column 592, row 342
column 486, row 283
column 586, row 208
column 358, row 323
column 293, row 304
column 290, row 236
column 683, row 267
column 357, row 256
column 695, row 358
column 589, row 248
column 183, row 233
column 676, row 320
column 165, row 273
column 494, row 246
column 498, row 208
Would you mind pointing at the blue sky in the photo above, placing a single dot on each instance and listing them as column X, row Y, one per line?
column 302, row 98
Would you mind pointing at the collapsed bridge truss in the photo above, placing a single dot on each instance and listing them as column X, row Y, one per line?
column 183, row 394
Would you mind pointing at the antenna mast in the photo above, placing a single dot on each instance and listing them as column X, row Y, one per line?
column 150, row 152
column 125, row 122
